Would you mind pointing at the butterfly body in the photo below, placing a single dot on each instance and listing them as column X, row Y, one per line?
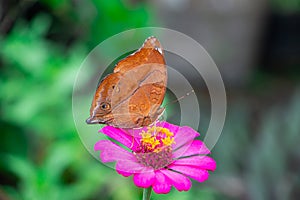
column 131, row 96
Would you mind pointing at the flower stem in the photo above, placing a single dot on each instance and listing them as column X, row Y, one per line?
column 147, row 193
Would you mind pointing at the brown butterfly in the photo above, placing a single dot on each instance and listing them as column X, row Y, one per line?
column 131, row 96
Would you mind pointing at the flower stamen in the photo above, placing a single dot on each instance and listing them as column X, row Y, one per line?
column 155, row 149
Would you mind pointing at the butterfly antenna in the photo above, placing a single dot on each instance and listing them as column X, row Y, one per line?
column 180, row 98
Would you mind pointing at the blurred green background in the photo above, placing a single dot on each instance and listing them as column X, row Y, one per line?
column 256, row 45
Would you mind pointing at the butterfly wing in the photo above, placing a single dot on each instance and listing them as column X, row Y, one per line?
column 134, row 91
column 101, row 106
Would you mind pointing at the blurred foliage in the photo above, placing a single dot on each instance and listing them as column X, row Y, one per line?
column 42, row 45
column 286, row 6
column 260, row 162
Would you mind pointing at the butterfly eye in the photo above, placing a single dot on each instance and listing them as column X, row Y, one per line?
column 105, row 106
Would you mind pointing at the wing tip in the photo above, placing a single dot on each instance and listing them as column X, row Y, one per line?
column 153, row 42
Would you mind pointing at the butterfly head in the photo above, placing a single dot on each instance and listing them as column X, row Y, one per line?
column 100, row 112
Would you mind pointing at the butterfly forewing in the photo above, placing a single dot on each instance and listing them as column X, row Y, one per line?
column 135, row 91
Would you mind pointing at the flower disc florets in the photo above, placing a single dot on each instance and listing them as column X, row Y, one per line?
column 155, row 150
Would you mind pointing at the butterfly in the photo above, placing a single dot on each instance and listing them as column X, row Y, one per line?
column 132, row 95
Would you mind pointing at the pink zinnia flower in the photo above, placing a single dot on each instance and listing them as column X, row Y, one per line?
column 163, row 156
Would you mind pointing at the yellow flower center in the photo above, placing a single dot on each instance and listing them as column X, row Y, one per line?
column 155, row 150
column 156, row 138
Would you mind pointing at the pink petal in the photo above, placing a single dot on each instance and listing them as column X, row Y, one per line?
column 111, row 152
column 193, row 172
column 123, row 173
column 202, row 162
column 129, row 167
column 173, row 128
column 161, row 184
column 196, row 147
column 184, row 135
column 179, row 181
column 121, row 136
column 144, row 180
